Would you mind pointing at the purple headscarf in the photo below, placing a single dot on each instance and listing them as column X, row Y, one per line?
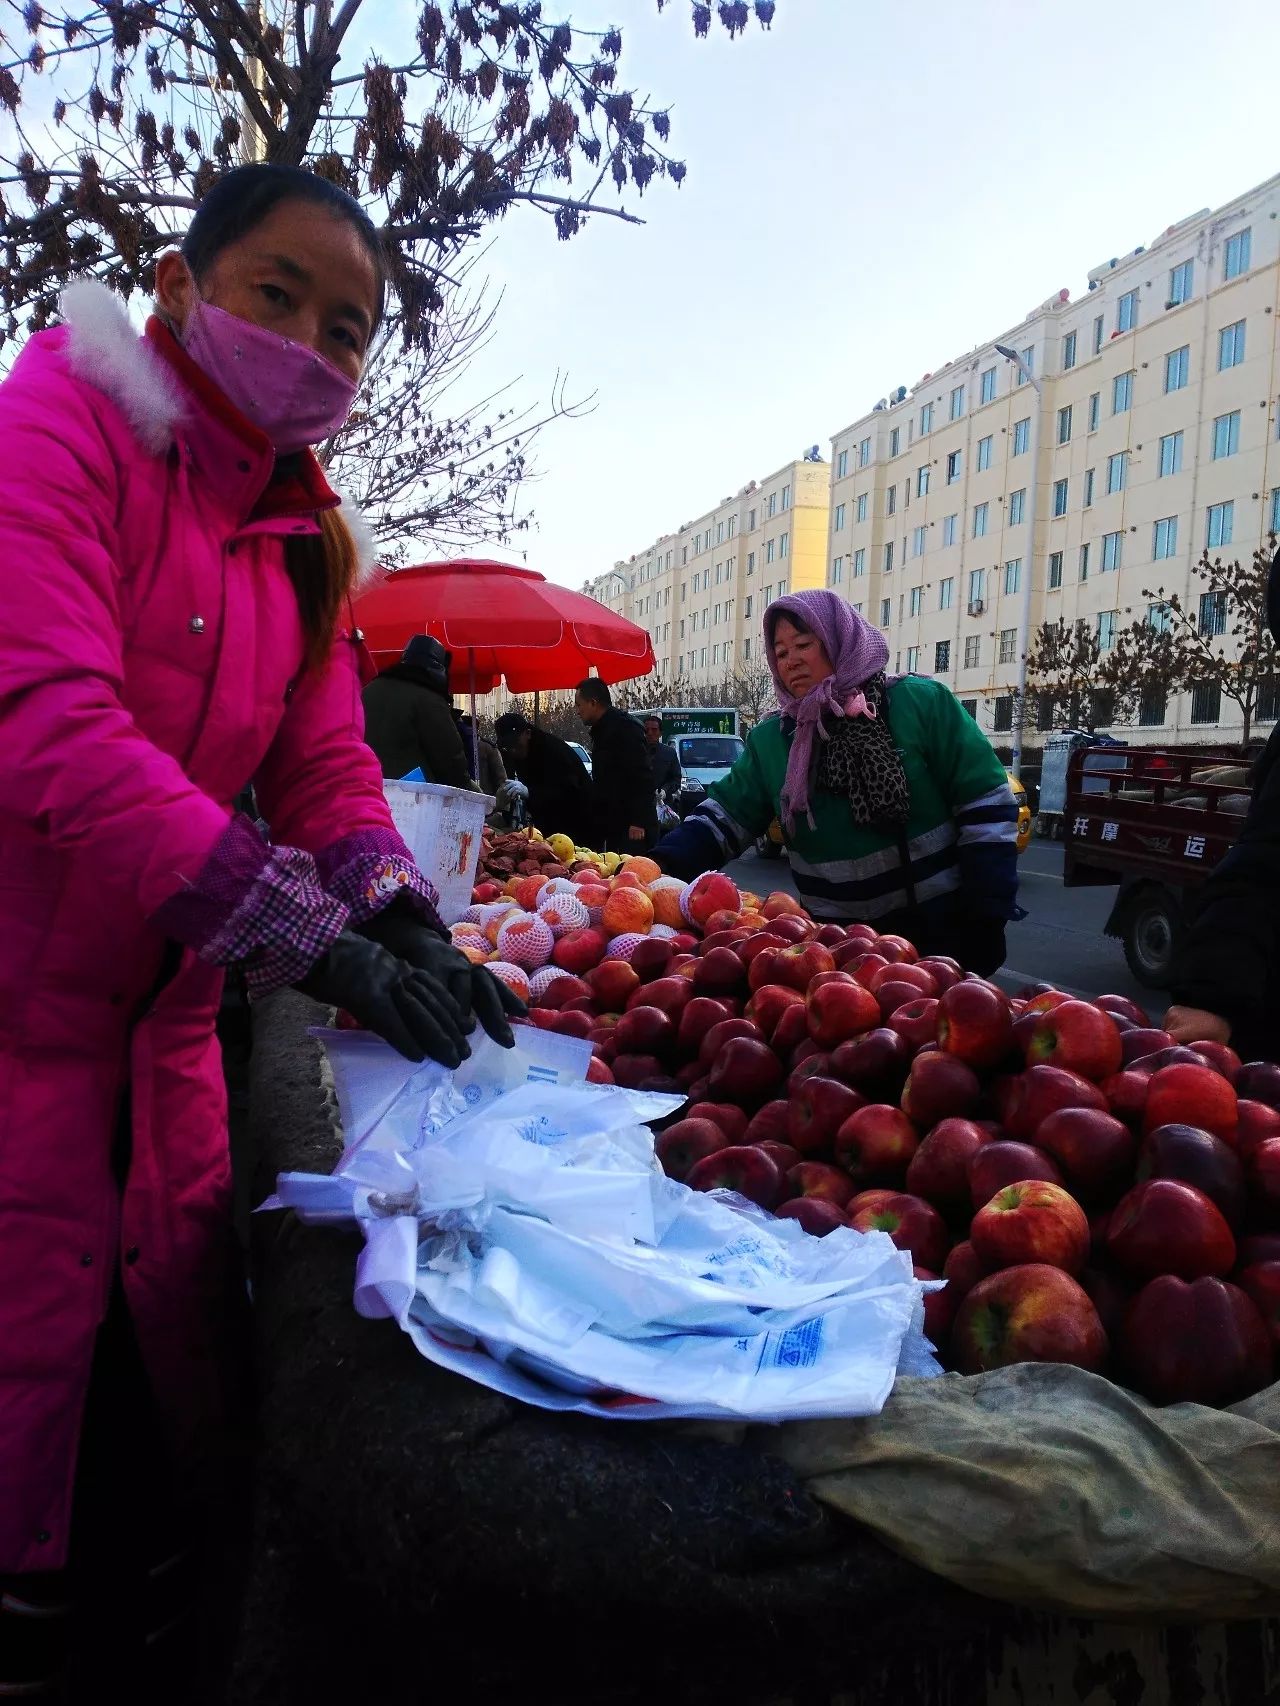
column 857, row 652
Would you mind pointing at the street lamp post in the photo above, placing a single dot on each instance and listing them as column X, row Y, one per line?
column 1029, row 566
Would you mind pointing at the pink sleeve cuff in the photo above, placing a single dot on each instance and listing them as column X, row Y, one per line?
column 369, row 869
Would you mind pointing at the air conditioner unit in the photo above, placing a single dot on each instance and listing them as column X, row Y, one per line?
column 976, row 607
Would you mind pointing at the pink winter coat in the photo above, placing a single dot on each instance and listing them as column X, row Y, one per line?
column 150, row 667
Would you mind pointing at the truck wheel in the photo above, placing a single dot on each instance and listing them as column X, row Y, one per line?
column 1150, row 937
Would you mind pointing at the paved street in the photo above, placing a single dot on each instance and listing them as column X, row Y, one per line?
column 1060, row 941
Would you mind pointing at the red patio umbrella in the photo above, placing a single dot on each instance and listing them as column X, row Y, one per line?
column 501, row 620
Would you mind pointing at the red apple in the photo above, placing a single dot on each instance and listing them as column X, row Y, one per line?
column 854, row 948
column 682, row 1145
column 1034, row 1313
column 804, row 1049
column 963, row 1268
column 1137, row 1044
column 1110, row 1296
column 769, row 1124
column 1259, row 1081
column 760, row 968
column 875, row 1064
column 1027, row 1099
column 670, row 994
column 611, row 982
column 1078, row 1037
column 893, row 995
column 1094, row 1150
column 719, row 973
column 1178, row 1055
column 939, row 1169
column 998, row 1164
column 875, row 1145
column 835, row 1012
column 792, row 1028
column 744, row 1168
column 745, row 1071
column 938, row 1086
column 896, row 948
column 1264, row 1175
column 817, row 1216
column 1199, row 1343
column 830, row 935
column 757, row 943
column 864, row 966
column 723, row 1032
column 792, row 928
column 1261, row 1282
column 974, row 1024
column 817, row 1179
column 1126, row 1094
column 911, row 1223
column 1031, row 1221
column 896, row 971
column 646, row 1030
column 689, row 1074
column 650, row 958
column 769, row 1003
column 582, row 1005
column 1122, row 1005
column 939, row 1308
column 570, row 1024
column 1197, row 1158
column 1164, row 1226
column 942, row 970
column 799, row 964
column 1217, row 1055
column 580, row 950
column 782, row 1153
column 696, row 1019
column 562, row 990
column 814, row 1065
column 631, row 1070
column 732, row 1121
column 917, row 1021
column 1257, row 1122
column 598, row 1072
column 819, row 1108
column 1192, row 1095
column 1041, row 997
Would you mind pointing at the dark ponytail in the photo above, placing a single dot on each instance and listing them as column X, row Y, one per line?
column 323, row 567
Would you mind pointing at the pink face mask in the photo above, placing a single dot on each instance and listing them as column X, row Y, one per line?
column 287, row 389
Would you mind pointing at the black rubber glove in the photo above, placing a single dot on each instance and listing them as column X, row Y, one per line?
column 475, row 991
column 405, row 1007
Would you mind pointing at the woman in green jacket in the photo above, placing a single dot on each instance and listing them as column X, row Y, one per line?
column 895, row 809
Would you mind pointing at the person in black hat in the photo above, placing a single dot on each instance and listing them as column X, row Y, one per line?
column 559, row 787
column 1226, row 972
column 621, row 772
column 408, row 717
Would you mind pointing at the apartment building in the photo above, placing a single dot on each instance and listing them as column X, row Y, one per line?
column 701, row 590
column 1138, row 426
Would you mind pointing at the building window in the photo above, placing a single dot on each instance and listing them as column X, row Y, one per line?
column 942, row 657
column 1153, row 707
column 895, row 440
column 1059, row 497
column 922, row 481
column 972, row 651
column 1235, row 257
column 786, row 497
column 1022, row 436
column 769, row 550
column 1088, row 488
column 1055, row 570
column 886, row 612
column 1127, row 311
column 1121, row 393
column 1268, row 705
column 1170, row 454
column 842, row 465
column 1226, row 435
column 1084, row 562
column 1112, row 550
column 1095, row 410
column 1028, row 365
column 913, row 660
column 1098, row 333
column 1068, row 351
column 971, row 706
column 746, row 608
column 751, row 562
column 949, row 529
column 1231, row 346
column 773, row 504
column 1017, row 506
column 1117, row 471
column 784, row 545
column 1008, row 645
column 1221, row 525
column 751, row 521
column 1275, row 511
column 1206, row 702
column 984, row 454
column 1002, row 713
column 977, row 588
column 1181, row 285
column 891, row 501
column 1165, row 540
column 746, row 651
column 917, row 600
column 719, row 532
column 953, row 467
column 980, row 514
column 839, row 518
column 1107, row 620
column 888, row 558
column 1159, row 618
column 859, row 563
column 1013, row 574
column 864, row 452
column 1064, row 425
column 917, row 542
column 1177, row 368
column 987, row 385
column 957, row 402
column 946, row 592
column 837, row 569
column 861, row 511
column 926, row 419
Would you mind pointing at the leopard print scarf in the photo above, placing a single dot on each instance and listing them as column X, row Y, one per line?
column 859, row 759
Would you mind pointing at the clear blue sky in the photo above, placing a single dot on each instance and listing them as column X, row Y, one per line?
column 873, row 188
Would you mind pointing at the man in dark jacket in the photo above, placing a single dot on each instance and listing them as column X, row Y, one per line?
column 621, row 772
column 1226, row 974
column 558, row 784
column 408, row 717
column 666, row 765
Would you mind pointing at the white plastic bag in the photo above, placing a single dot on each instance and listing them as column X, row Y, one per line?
column 519, row 1228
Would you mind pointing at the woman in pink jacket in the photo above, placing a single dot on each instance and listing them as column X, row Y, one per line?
column 175, row 624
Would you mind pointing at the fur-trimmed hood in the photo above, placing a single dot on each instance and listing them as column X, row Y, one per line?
column 105, row 350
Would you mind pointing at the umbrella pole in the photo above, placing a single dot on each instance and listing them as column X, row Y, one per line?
column 475, row 732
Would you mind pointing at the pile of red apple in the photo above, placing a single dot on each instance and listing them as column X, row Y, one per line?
column 1091, row 1193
